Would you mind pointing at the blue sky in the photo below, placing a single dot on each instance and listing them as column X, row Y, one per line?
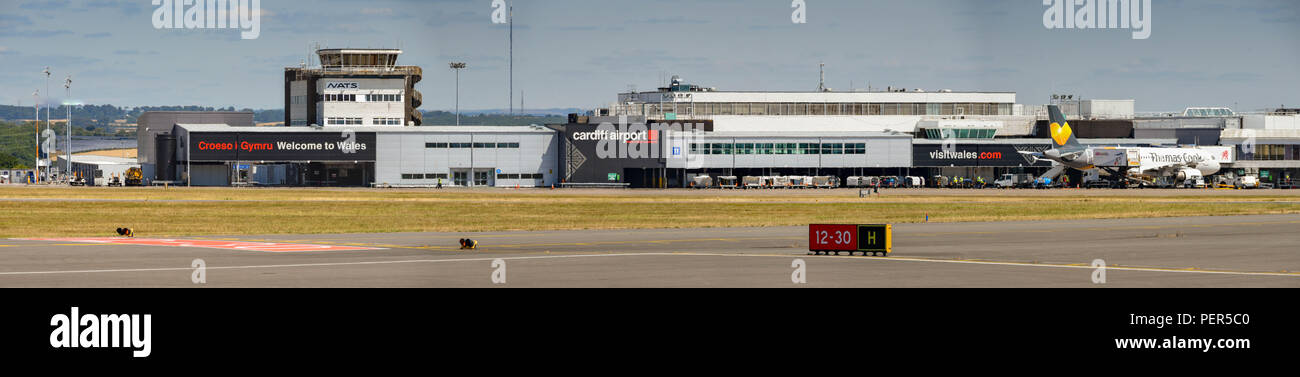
column 580, row 53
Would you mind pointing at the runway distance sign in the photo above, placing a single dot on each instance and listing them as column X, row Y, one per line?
column 823, row 237
column 837, row 238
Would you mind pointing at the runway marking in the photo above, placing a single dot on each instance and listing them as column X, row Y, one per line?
column 210, row 267
column 1024, row 264
column 539, row 257
column 207, row 244
column 1150, row 227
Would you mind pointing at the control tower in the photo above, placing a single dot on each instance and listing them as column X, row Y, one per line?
column 353, row 87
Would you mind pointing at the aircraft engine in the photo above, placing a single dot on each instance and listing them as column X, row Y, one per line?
column 1188, row 173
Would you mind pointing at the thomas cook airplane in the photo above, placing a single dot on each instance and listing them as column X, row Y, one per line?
column 1141, row 166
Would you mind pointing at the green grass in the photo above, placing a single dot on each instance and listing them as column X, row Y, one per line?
column 154, row 212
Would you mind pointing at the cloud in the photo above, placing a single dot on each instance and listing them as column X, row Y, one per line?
column 33, row 33
column 98, row 35
column 675, row 20
column 42, row 5
column 125, row 6
column 8, row 21
column 377, row 11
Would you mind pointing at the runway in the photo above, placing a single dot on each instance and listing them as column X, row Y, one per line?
column 1243, row 251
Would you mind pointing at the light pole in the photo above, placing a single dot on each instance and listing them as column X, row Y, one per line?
column 47, row 115
column 36, row 169
column 67, row 148
column 457, row 66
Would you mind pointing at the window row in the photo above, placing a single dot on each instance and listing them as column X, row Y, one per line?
column 1271, row 152
column 778, row 148
column 338, row 98
column 960, row 133
column 424, row 176
column 383, row 98
column 471, row 145
column 353, row 98
column 343, row 121
column 387, row 121
column 444, row 176
column 790, row 108
column 519, row 176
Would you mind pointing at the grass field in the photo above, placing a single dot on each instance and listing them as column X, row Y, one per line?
column 33, row 212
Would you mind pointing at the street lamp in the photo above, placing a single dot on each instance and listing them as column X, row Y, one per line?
column 67, row 148
column 36, row 169
column 457, row 66
column 47, row 113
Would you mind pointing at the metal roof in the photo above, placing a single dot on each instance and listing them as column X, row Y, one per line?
column 376, row 129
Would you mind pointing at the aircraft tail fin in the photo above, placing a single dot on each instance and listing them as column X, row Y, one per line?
column 1062, row 133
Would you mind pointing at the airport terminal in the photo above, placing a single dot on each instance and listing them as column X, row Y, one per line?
column 354, row 121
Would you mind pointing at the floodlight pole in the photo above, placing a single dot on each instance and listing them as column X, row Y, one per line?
column 67, row 148
column 37, row 168
column 457, row 66
column 47, row 114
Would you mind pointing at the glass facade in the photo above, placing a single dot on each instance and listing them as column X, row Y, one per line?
column 960, row 133
column 655, row 110
column 1270, row 152
column 778, row 148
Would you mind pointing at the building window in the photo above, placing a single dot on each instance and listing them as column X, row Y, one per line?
column 387, row 121
column 412, row 176
column 339, row 97
column 383, row 98
column 343, row 121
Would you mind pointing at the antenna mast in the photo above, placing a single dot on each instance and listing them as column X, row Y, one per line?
column 821, row 85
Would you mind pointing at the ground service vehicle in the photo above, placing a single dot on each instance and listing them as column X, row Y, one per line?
column 1014, row 181
column 134, row 177
column 727, row 182
column 702, row 182
column 1246, row 182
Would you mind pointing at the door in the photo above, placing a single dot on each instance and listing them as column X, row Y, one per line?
column 482, row 178
column 460, row 178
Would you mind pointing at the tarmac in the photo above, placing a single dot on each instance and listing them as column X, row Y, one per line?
column 1238, row 251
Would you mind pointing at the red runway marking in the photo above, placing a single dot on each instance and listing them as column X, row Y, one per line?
column 225, row 245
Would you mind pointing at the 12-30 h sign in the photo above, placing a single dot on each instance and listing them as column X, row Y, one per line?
column 837, row 238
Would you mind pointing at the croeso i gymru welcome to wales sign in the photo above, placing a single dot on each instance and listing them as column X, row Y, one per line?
column 288, row 146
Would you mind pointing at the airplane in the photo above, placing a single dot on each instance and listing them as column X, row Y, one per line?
column 1142, row 166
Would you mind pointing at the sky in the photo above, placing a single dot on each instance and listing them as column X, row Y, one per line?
column 581, row 53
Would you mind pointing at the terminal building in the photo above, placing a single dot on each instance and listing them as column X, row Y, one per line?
column 354, row 121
